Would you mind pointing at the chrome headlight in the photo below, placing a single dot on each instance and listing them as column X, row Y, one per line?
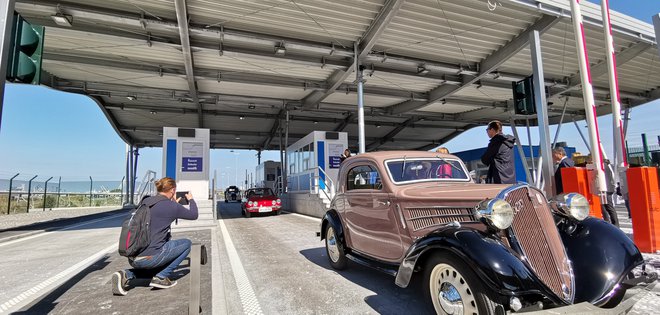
column 497, row 212
column 249, row 203
column 574, row 205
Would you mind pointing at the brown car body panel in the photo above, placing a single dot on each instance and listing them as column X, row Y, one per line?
column 384, row 223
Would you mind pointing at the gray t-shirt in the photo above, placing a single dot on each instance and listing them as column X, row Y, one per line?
column 162, row 215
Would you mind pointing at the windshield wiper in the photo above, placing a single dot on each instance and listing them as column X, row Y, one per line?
column 403, row 167
column 447, row 162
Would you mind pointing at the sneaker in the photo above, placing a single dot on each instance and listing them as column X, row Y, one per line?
column 162, row 283
column 119, row 283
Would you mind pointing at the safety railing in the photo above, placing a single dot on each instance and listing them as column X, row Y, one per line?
column 328, row 188
column 278, row 186
column 147, row 186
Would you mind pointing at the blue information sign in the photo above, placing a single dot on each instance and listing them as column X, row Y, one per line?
column 334, row 161
column 192, row 164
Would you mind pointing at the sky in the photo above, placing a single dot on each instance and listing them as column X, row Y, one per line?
column 47, row 133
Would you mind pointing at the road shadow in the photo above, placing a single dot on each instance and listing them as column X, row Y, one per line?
column 48, row 303
column 389, row 298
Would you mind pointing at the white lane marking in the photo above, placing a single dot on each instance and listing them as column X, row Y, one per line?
column 54, row 280
column 245, row 291
column 304, row 216
column 46, row 233
column 219, row 306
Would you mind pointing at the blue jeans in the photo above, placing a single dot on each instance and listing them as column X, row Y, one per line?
column 164, row 263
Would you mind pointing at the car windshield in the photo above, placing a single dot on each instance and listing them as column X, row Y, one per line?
column 261, row 192
column 426, row 169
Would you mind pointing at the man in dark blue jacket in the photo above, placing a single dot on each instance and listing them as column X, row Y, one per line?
column 499, row 155
column 559, row 156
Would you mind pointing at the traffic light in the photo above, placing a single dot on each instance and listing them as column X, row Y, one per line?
column 523, row 97
column 26, row 47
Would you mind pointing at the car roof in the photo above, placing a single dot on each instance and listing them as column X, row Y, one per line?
column 387, row 155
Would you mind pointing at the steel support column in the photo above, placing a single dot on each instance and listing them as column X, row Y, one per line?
column 561, row 121
column 360, row 83
column 546, row 169
column 285, row 176
column 586, row 143
column 521, row 152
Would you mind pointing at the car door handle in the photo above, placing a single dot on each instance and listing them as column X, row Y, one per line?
column 384, row 203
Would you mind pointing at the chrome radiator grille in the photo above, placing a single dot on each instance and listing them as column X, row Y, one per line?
column 534, row 229
column 423, row 217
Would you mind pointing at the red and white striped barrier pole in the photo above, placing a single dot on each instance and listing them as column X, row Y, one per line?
column 588, row 97
column 619, row 137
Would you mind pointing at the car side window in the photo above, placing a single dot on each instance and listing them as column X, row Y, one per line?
column 363, row 177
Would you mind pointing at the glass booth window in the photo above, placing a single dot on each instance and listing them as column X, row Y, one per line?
column 363, row 177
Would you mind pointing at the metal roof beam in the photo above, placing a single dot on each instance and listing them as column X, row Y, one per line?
column 485, row 67
column 345, row 122
column 182, row 19
column 378, row 26
column 368, row 40
column 390, row 135
column 273, row 130
column 622, row 57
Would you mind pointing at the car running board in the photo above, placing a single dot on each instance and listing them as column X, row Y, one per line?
column 382, row 267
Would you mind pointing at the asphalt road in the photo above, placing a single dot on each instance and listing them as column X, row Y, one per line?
column 34, row 264
column 288, row 270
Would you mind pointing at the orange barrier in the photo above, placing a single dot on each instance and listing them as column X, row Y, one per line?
column 577, row 179
column 644, row 195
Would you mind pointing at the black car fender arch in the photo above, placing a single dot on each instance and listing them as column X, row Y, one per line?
column 596, row 240
column 500, row 270
column 331, row 217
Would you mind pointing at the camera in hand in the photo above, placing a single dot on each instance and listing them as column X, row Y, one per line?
column 182, row 195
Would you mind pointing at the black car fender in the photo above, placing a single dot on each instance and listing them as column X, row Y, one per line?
column 602, row 256
column 500, row 269
column 331, row 217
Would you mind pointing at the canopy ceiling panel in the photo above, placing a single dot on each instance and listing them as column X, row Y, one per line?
column 448, row 62
column 341, row 21
column 369, row 100
column 229, row 64
column 449, row 108
column 398, row 81
column 73, row 71
column 231, row 88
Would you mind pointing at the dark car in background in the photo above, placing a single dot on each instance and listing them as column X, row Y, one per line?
column 260, row 200
column 233, row 194
column 477, row 248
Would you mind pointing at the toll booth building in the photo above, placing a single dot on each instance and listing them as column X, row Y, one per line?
column 269, row 175
column 313, row 167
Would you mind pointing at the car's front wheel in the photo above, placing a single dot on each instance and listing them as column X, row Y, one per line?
column 455, row 289
column 334, row 249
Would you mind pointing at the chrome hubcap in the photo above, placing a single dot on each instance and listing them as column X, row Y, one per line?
column 449, row 298
column 331, row 245
column 450, row 291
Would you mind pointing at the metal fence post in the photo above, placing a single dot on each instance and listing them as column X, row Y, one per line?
column 30, row 193
column 91, row 182
column 121, row 195
column 11, row 180
column 59, row 185
column 45, row 191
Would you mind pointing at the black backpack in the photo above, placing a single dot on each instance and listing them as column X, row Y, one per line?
column 135, row 234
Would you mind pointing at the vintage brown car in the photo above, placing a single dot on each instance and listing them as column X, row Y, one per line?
column 480, row 248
